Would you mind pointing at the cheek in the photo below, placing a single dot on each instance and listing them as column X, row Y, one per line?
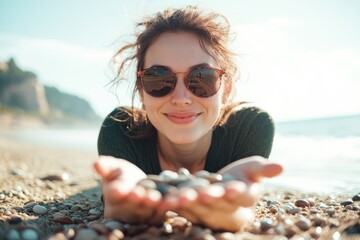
column 151, row 104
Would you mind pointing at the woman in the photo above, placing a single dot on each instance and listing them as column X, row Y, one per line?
column 185, row 77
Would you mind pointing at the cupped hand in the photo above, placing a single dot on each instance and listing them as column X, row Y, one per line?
column 124, row 200
column 231, row 206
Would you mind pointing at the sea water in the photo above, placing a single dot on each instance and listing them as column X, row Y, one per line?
column 321, row 156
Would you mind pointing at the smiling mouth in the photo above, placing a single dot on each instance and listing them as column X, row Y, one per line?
column 182, row 118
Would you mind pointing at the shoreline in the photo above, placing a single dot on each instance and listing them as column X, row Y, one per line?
column 73, row 205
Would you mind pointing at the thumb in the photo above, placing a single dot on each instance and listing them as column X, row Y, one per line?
column 107, row 168
column 260, row 168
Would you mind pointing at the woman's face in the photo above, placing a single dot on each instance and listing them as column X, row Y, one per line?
column 180, row 116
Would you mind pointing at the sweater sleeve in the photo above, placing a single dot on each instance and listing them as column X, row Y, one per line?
column 255, row 133
column 112, row 140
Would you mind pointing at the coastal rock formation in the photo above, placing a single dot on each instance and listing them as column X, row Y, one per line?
column 28, row 95
column 21, row 90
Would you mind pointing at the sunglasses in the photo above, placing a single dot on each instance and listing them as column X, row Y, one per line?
column 202, row 81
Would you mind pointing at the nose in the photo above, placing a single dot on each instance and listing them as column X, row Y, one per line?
column 181, row 95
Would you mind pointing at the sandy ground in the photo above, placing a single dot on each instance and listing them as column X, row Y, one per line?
column 69, row 206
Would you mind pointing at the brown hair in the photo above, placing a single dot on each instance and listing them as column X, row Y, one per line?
column 213, row 30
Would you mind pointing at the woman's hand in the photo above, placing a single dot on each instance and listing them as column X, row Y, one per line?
column 123, row 199
column 231, row 206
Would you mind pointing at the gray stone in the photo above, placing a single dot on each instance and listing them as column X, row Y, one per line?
column 167, row 175
column 30, row 234
column 39, row 209
column 30, row 204
column 94, row 211
column 86, row 234
column 13, row 235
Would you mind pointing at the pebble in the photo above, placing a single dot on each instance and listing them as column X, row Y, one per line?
column 29, row 234
column 183, row 171
column 214, row 178
column 225, row 236
column 63, row 219
column 302, row 203
column 13, row 235
column 303, row 223
column 311, row 201
column 30, row 204
column 295, row 210
column 86, row 234
column 288, row 207
column 38, row 209
column 8, row 213
column 70, row 233
column 353, row 229
column 116, row 234
column 196, row 183
column 15, row 220
column 75, row 208
column 58, row 236
column 113, row 225
column 56, row 177
column 58, row 214
column 316, row 233
column 321, row 205
column 354, row 198
column 271, row 202
column 273, row 209
column 167, row 175
column 319, row 220
column 202, row 174
column 147, row 184
column 330, row 212
column 94, row 211
column 165, row 189
column 179, row 223
column 347, row 202
column 168, row 182
column 265, row 224
column 313, row 210
column 99, row 228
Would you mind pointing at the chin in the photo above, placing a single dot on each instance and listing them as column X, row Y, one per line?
column 185, row 138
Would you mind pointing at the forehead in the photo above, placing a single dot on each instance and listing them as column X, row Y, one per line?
column 179, row 51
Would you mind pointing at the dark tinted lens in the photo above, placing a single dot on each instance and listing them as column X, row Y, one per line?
column 203, row 82
column 158, row 82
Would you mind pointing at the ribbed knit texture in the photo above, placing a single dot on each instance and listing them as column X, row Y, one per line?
column 248, row 132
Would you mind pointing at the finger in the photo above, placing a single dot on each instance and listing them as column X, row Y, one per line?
column 107, row 168
column 260, row 168
column 153, row 197
column 114, row 192
column 270, row 170
column 189, row 216
column 234, row 189
column 187, row 196
column 170, row 202
column 136, row 195
column 211, row 194
column 242, row 194
column 252, row 169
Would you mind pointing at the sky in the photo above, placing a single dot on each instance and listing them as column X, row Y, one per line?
column 298, row 59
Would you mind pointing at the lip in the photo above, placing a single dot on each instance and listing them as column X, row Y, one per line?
column 182, row 117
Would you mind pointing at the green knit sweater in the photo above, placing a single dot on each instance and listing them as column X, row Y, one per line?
column 248, row 132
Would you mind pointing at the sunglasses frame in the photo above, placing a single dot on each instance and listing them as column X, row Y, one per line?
column 220, row 72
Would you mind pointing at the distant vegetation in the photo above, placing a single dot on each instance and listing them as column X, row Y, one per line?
column 21, row 90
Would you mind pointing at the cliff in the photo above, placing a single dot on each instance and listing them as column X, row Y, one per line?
column 21, row 91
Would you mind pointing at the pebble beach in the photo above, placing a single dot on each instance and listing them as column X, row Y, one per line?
column 53, row 193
